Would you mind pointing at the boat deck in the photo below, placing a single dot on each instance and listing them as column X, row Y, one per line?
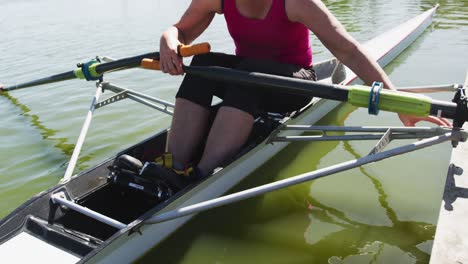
column 451, row 239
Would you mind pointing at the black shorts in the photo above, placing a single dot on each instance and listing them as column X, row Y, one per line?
column 253, row 101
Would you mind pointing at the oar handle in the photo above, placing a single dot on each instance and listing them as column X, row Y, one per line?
column 182, row 50
column 191, row 50
column 151, row 64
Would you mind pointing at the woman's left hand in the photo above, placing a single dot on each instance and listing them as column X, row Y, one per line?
column 410, row 121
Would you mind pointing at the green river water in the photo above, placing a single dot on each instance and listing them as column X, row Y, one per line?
column 380, row 213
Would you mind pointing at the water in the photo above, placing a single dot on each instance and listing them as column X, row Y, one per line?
column 380, row 213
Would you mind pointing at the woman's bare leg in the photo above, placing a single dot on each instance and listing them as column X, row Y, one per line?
column 229, row 132
column 189, row 126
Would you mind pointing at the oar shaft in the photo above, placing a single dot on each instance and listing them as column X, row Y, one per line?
column 97, row 69
column 389, row 100
column 136, row 61
column 393, row 101
column 444, row 109
column 125, row 63
column 51, row 79
column 269, row 81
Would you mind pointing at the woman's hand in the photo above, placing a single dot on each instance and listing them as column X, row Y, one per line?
column 194, row 21
column 410, row 121
column 169, row 60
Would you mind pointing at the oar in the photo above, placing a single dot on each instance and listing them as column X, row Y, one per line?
column 357, row 95
column 93, row 70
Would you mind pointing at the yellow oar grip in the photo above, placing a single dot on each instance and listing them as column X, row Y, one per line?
column 150, row 64
column 190, row 50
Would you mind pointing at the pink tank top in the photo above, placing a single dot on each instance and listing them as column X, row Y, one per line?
column 275, row 37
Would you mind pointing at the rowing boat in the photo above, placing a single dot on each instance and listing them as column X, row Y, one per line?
column 91, row 219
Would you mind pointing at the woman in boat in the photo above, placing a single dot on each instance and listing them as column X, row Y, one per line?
column 271, row 30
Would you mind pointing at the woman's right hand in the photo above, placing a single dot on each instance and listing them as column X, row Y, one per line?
column 169, row 60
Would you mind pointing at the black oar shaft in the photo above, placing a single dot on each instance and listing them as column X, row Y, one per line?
column 51, row 79
column 269, row 81
column 93, row 71
column 444, row 109
column 125, row 63
column 299, row 86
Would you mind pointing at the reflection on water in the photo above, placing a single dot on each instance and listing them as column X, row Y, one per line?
column 356, row 238
column 452, row 15
column 46, row 133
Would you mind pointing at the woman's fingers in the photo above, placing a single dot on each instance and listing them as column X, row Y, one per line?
column 169, row 60
column 406, row 120
column 171, row 65
column 178, row 65
column 410, row 121
column 438, row 121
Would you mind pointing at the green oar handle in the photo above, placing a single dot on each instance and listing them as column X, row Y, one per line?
column 402, row 102
column 393, row 101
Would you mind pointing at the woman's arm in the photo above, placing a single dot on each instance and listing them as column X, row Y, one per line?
column 315, row 15
column 193, row 22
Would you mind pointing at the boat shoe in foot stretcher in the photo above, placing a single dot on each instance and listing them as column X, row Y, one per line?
column 129, row 163
column 126, row 172
column 164, row 169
